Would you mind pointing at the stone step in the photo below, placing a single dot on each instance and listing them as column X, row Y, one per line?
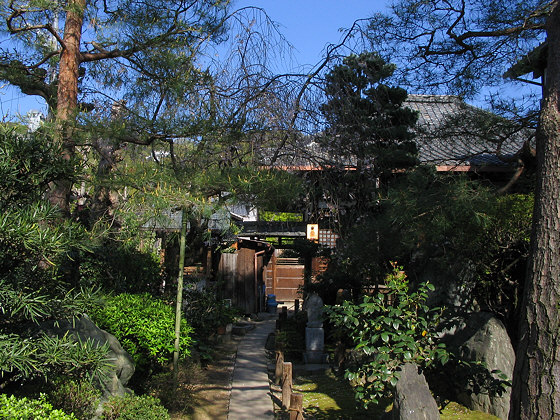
column 242, row 329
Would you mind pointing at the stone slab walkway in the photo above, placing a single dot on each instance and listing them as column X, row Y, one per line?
column 250, row 391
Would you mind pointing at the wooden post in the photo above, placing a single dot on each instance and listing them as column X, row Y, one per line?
column 296, row 306
column 296, row 407
column 284, row 314
column 279, row 367
column 273, row 265
column 286, row 384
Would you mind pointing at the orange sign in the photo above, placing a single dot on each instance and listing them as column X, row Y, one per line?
column 313, row 232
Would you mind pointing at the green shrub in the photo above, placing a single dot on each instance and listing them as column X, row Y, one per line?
column 121, row 268
column 502, row 263
column 280, row 216
column 206, row 312
column 78, row 397
column 30, row 409
column 132, row 407
column 390, row 330
column 145, row 327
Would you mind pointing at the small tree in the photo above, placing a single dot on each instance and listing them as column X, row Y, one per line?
column 32, row 290
column 389, row 330
column 368, row 132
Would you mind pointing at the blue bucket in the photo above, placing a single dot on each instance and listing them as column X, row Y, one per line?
column 271, row 304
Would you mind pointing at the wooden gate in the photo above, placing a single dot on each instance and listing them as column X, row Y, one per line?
column 284, row 278
column 238, row 273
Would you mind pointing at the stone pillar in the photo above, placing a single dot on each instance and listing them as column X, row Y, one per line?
column 314, row 332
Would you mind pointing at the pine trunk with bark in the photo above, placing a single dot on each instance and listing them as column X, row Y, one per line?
column 536, row 388
column 70, row 59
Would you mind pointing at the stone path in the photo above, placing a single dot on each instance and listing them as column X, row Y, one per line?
column 250, row 391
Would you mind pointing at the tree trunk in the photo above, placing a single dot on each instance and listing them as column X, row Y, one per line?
column 70, row 59
column 536, row 389
column 102, row 201
column 179, row 301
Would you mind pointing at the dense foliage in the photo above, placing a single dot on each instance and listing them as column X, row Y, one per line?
column 367, row 130
column 28, row 232
column 366, row 122
column 30, row 409
column 120, row 267
column 144, row 325
column 132, row 407
column 34, row 286
column 390, row 328
column 80, row 398
column 206, row 312
column 465, row 47
column 448, row 229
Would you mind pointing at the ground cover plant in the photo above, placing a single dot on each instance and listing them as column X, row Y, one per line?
column 132, row 407
column 327, row 396
column 80, row 398
column 454, row 411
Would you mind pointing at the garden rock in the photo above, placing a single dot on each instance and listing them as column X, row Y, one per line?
column 451, row 289
column 123, row 365
column 483, row 338
column 413, row 399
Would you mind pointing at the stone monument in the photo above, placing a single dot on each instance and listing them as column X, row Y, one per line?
column 314, row 332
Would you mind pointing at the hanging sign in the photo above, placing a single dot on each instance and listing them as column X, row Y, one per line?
column 313, row 232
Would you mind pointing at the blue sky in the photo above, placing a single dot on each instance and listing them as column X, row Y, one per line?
column 13, row 102
column 309, row 25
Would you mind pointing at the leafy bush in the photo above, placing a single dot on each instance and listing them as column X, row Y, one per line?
column 206, row 312
column 30, row 409
column 389, row 329
column 77, row 397
column 120, row 268
column 145, row 327
column 132, row 407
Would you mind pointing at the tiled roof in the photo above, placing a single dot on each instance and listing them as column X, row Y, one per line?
column 456, row 144
column 462, row 145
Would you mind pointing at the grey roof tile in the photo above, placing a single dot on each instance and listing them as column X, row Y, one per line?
column 462, row 145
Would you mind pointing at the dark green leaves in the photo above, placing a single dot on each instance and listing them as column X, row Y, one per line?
column 389, row 329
